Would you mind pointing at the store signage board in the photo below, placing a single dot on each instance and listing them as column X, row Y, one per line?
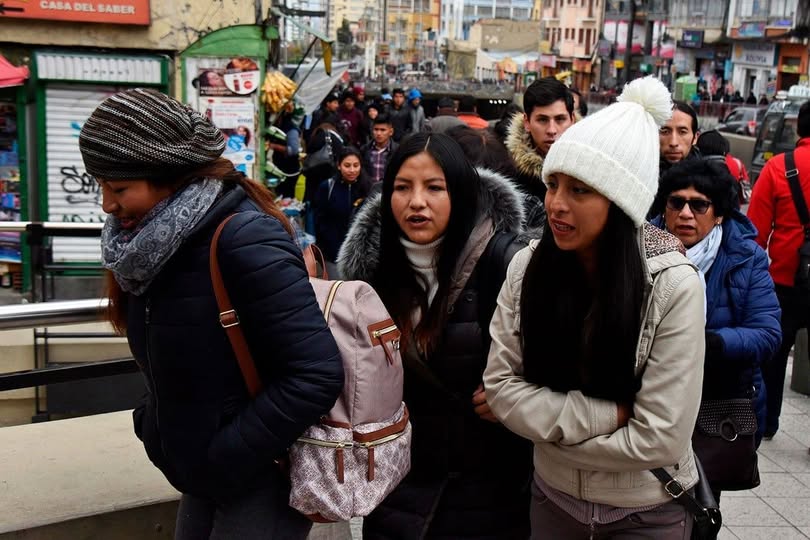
column 135, row 12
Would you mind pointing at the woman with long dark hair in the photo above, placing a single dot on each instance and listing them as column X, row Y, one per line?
column 597, row 341
column 166, row 189
column 336, row 200
column 435, row 245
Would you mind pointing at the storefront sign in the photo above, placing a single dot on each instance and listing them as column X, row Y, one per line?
column 111, row 12
column 751, row 29
column 583, row 66
column 692, row 39
column 548, row 60
column 604, row 48
column 754, row 53
column 787, row 68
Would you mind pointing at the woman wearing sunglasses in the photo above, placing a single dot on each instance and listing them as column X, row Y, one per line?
column 696, row 202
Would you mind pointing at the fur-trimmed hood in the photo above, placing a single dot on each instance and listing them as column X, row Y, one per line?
column 499, row 200
column 519, row 143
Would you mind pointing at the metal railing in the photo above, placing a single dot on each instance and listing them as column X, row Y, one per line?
column 54, row 314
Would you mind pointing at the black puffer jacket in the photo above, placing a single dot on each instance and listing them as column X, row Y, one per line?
column 469, row 477
column 197, row 422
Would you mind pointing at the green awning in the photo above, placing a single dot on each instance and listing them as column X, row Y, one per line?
column 241, row 40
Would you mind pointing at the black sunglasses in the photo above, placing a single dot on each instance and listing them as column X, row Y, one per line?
column 698, row 206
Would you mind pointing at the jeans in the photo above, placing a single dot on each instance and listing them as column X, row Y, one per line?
column 262, row 514
column 795, row 316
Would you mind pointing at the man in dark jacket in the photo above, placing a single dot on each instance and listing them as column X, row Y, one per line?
column 400, row 115
column 781, row 233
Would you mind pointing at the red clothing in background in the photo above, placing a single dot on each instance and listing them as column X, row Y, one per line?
column 772, row 211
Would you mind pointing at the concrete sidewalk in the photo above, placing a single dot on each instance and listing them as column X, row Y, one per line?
column 780, row 507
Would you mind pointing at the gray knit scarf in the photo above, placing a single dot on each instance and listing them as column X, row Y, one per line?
column 136, row 257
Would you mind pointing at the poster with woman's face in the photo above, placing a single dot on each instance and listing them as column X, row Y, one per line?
column 238, row 77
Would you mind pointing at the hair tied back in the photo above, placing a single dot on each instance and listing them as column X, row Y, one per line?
column 652, row 95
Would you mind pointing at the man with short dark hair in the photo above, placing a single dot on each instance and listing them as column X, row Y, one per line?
column 678, row 136
column 400, row 115
column 549, row 111
column 377, row 153
column 781, row 233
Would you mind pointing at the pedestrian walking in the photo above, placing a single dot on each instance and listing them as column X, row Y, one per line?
column 166, row 189
column 697, row 202
column 597, row 340
column 781, row 232
column 435, row 246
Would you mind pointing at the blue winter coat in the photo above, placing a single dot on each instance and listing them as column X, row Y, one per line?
column 742, row 309
column 197, row 423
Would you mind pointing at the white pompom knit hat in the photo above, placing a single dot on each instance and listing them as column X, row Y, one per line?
column 616, row 150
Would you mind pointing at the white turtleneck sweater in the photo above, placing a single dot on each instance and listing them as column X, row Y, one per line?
column 422, row 258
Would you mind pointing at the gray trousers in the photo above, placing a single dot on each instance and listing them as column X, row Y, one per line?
column 670, row 521
column 261, row 515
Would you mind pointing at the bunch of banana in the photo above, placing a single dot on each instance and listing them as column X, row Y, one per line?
column 276, row 91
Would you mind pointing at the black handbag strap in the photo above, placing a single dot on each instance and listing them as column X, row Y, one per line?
column 792, row 175
column 680, row 493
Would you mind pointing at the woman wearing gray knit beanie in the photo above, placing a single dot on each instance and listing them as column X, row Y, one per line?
column 166, row 189
column 597, row 341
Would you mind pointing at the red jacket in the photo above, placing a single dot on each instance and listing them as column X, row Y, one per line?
column 473, row 120
column 773, row 213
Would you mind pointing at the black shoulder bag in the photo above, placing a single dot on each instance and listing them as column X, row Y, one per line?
column 802, row 277
column 702, row 505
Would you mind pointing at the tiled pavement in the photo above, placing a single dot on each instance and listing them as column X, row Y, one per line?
column 780, row 507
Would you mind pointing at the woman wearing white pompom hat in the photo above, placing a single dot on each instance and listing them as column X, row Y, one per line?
column 597, row 341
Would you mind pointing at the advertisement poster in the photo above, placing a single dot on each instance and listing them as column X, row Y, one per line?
column 238, row 76
column 9, row 182
column 235, row 117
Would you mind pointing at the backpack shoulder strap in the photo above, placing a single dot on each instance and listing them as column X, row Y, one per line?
column 491, row 270
column 792, row 175
column 229, row 319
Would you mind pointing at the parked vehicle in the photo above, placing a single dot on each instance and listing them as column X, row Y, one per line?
column 778, row 131
column 743, row 120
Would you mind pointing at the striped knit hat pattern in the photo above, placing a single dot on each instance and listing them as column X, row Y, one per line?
column 145, row 134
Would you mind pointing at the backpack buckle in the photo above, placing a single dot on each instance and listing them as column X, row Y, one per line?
column 228, row 318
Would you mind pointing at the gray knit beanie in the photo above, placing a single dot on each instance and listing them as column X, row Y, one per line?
column 144, row 134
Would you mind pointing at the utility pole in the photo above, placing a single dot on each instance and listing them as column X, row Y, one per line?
column 257, row 9
column 628, row 51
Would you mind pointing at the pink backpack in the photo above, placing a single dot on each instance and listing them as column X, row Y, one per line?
column 345, row 465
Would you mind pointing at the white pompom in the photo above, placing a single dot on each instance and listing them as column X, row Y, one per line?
column 651, row 94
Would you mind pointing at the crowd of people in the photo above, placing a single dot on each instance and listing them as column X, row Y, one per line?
column 578, row 295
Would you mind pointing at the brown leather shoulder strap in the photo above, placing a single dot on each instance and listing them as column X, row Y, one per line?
column 229, row 319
